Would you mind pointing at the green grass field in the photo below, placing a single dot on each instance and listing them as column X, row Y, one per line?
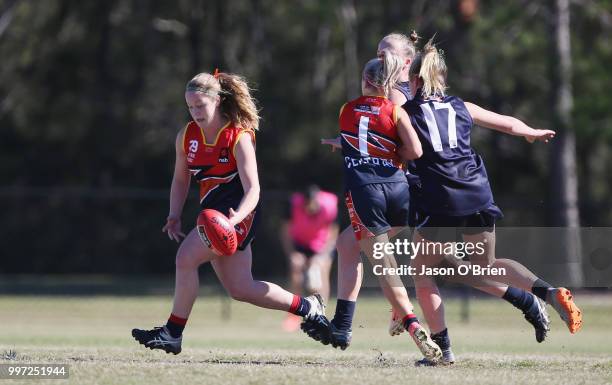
column 92, row 336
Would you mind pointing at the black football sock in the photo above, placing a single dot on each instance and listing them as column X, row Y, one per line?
column 176, row 325
column 541, row 288
column 442, row 339
column 343, row 319
column 519, row 298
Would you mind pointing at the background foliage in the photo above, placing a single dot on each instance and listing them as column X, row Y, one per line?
column 91, row 98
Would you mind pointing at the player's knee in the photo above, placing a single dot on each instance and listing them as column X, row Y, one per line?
column 184, row 261
column 483, row 260
column 240, row 293
column 483, row 257
column 425, row 288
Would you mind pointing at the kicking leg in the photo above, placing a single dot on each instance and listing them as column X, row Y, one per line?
column 518, row 275
column 235, row 274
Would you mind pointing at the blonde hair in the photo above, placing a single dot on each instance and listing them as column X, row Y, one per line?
column 237, row 104
column 405, row 45
column 383, row 72
column 429, row 65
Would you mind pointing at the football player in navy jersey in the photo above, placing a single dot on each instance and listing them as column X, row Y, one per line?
column 456, row 191
column 376, row 192
column 217, row 149
column 350, row 268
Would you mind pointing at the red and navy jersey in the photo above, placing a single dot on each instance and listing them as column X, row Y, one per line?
column 453, row 177
column 368, row 131
column 213, row 165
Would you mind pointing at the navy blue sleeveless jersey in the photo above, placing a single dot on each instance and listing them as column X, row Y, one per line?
column 453, row 177
column 404, row 88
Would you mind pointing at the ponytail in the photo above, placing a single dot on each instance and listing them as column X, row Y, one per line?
column 429, row 66
column 392, row 68
column 383, row 72
column 236, row 101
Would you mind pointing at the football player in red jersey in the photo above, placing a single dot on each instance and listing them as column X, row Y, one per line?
column 217, row 149
column 372, row 128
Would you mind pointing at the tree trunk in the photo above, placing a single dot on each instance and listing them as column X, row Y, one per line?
column 6, row 15
column 565, row 211
column 348, row 16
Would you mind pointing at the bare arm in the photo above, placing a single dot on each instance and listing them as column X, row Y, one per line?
column 247, row 170
column 334, row 143
column 411, row 147
column 178, row 191
column 507, row 124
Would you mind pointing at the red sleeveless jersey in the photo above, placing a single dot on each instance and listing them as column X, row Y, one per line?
column 368, row 131
column 213, row 165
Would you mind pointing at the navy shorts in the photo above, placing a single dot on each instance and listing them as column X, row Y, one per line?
column 416, row 192
column 447, row 228
column 245, row 230
column 375, row 208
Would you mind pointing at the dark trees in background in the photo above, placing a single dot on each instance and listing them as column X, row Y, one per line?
column 564, row 175
column 91, row 99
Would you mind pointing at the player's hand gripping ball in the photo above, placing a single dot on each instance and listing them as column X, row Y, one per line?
column 216, row 232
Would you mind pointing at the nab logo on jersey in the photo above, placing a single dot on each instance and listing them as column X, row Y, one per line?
column 224, row 155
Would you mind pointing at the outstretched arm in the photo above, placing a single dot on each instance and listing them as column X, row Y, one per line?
column 334, row 143
column 507, row 124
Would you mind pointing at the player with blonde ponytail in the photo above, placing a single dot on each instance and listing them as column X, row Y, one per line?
column 217, row 149
column 431, row 70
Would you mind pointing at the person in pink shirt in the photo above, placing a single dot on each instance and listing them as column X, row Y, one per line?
column 309, row 239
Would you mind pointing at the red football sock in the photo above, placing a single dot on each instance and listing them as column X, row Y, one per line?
column 411, row 323
column 295, row 304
